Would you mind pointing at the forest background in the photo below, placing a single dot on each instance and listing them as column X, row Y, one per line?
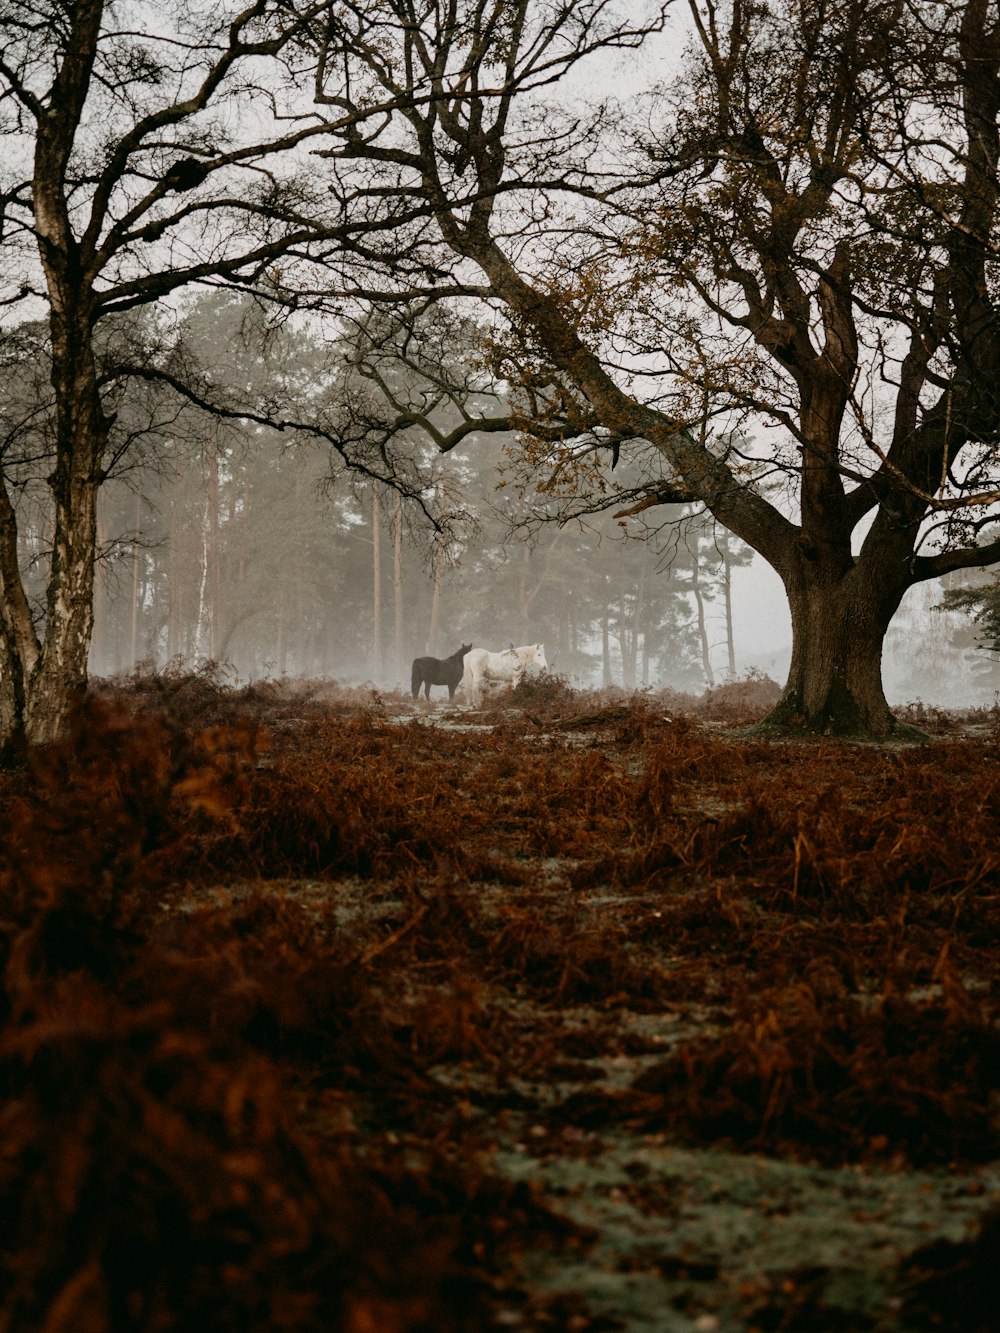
column 233, row 543
column 232, row 565
column 230, row 542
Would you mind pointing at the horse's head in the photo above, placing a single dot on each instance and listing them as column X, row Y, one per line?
column 465, row 648
column 531, row 658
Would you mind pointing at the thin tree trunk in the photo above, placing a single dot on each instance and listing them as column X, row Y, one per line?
column 431, row 647
column 699, row 601
column 397, row 585
column 214, row 608
column 229, row 612
column 133, row 652
column 638, row 614
column 174, row 593
column 100, row 648
column 18, row 641
column 627, row 642
column 300, row 598
column 376, row 587
column 201, row 644
column 727, row 588
column 625, row 635
column 245, row 526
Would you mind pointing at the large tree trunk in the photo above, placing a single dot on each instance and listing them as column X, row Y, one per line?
column 60, row 673
column 835, row 679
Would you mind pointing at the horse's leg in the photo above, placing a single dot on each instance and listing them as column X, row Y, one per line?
column 470, row 693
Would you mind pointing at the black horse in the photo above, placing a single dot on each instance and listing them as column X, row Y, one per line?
column 428, row 671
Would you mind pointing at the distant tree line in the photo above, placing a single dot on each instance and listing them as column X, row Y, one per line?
column 226, row 541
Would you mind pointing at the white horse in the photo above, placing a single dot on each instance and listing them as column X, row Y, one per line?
column 508, row 667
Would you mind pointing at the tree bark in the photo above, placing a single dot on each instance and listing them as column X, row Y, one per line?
column 834, row 684
column 60, row 670
column 18, row 640
column 60, row 673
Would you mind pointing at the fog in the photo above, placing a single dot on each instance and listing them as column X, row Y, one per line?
column 256, row 550
column 236, row 549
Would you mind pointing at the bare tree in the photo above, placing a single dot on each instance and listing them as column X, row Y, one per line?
column 148, row 148
column 805, row 239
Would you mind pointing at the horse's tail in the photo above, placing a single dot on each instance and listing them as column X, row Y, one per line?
column 416, row 678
